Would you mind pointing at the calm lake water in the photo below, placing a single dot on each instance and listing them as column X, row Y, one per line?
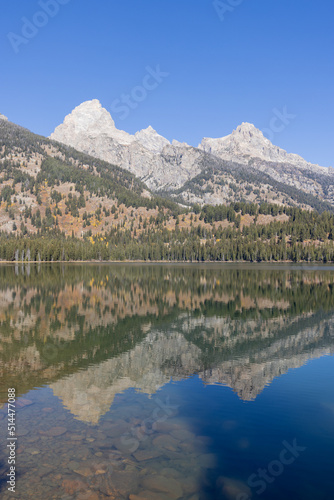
column 168, row 382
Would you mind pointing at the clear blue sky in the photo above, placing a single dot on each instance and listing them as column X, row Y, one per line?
column 259, row 56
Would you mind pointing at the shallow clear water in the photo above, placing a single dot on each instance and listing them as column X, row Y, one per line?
column 165, row 382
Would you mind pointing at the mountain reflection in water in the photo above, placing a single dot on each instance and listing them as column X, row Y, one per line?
column 91, row 333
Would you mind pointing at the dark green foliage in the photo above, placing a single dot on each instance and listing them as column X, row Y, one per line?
column 6, row 194
column 277, row 241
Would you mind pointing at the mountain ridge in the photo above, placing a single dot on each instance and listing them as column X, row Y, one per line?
column 170, row 167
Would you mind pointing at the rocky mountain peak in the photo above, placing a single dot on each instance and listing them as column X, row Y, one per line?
column 89, row 119
column 246, row 142
column 244, row 136
column 90, row 112
column 90, row 122
column 247, row 130
column 151, row 140
column 248, row 139
column 3, row 117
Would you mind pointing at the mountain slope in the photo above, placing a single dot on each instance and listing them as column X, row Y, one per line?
column 44, row 184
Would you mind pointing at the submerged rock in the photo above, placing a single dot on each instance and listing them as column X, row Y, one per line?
column 32, row 451
column 22, row 431
column 149, row 495
column 190, row 484
column 76, row 437
column 143, row 455
column 22, row 402
column 120, row 484
column 73, row 486
column 84, row 471
column 183, row 435
column 118, row 429
column 167, row 442
column 169, row 472
column 126, row 444
column 167, row 425
column 88, row 495
column 54, row 431
column 164, row 485
column 232, row 488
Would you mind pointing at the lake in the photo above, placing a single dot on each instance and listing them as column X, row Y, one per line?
column 160, row 382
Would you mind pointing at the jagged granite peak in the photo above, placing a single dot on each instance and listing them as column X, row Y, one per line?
column 92, row 120
column 89, row 118
column 151, row 140
column 179, row 144
column 148, row 155
column 3, row 117
column 246, row 142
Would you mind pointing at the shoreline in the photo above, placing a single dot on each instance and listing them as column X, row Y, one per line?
column 166, row 262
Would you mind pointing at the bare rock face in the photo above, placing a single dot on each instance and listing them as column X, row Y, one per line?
column 148, row 155
column 164, row 166
column 89, row 120
column 151, row 140
column 3, row 117
column 248, row 142
column 180, row 144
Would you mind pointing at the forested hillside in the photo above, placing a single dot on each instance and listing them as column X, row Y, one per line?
column 60, row 204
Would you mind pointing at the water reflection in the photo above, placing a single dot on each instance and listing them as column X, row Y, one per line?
column 103, row 344
column 112, row 328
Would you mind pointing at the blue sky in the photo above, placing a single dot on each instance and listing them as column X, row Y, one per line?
column 241, row 60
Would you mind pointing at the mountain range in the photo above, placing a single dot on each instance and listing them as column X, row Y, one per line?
column 141, row 197
column 243, row 166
